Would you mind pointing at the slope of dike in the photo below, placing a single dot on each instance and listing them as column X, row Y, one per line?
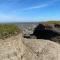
column 19, row 48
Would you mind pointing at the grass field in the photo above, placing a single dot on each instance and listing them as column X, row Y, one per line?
column 7, row 30
column 53, row 22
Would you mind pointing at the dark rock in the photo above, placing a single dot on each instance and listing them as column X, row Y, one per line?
column 26, row 36
column 41, row 33
column 57, row 25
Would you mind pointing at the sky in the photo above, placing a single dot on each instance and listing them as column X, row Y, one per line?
column 29, row 10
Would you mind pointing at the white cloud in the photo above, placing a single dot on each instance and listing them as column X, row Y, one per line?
column 41, row 5
column 38, row 6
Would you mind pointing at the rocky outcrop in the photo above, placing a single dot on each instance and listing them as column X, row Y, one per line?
column 41, row 33
column 19, row 48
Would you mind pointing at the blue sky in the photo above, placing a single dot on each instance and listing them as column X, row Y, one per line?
column 29, row 10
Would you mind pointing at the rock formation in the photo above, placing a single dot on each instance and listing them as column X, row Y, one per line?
column 19, row 48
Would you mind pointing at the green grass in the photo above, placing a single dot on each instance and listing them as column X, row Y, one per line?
column 53, row 22
column 8, row 30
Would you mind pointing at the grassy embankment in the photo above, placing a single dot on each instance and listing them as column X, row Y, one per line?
column 54, row 22
column 8, row 30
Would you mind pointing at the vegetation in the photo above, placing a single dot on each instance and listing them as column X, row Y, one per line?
column 8, row 30
column 53, row 22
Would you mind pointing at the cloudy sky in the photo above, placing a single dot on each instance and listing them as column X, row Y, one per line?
column 29, row 10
